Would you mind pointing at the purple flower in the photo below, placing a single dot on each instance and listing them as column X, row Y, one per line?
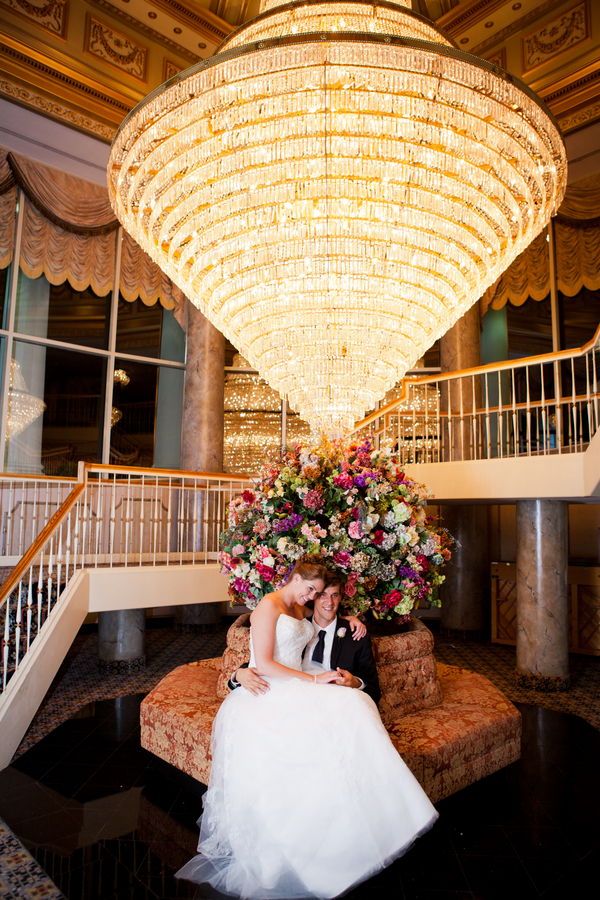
column 288, row 523
column 241, row 586
column 406, row 572
column 360, row 481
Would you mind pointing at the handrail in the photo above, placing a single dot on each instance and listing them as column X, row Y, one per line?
column 21, row 567
column 149, row 470
column 151, row 517
column 21, row 476
column 501, row 366
column 482, row 410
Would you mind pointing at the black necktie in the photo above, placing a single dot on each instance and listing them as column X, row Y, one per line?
column 319, row 648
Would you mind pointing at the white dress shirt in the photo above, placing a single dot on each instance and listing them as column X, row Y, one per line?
column 308, row 663
column 307, row 660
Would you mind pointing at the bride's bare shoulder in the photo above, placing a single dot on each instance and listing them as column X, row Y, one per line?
column 270, row 607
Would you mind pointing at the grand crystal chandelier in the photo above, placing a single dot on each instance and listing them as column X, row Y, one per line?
column 333, row 189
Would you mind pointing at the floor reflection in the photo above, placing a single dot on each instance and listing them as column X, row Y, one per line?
column 107, row 821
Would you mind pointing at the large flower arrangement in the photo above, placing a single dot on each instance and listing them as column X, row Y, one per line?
column 350, row 504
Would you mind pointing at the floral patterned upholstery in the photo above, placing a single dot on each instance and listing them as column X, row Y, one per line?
column 176, row 717
column 236, row 653
column 407, row 672
column 474, row 731
column 468, row 732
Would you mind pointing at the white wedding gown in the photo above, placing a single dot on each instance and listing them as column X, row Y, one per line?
column 307, row 795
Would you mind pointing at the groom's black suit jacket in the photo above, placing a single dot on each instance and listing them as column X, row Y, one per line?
column 354, row 656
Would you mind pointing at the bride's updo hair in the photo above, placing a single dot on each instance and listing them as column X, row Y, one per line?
column 309, row 568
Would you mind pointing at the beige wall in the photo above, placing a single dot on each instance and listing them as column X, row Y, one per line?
column 584, row 522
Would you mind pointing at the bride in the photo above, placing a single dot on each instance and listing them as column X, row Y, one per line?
column 307, row 795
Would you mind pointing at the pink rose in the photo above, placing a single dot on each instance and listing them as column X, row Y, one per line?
column 343, row 481
column 342, row 559
column 354, row 530
column 350, row 586
column 265, row 572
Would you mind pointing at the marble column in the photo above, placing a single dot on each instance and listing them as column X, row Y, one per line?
column 204, row 395
column 465, row 594
column 542, row 595
column 202, row 438
column 121, row 641
column 460, row 348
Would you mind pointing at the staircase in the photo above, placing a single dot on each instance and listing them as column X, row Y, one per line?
column 123, row 538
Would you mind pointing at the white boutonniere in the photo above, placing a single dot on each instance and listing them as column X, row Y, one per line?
column 341, row 632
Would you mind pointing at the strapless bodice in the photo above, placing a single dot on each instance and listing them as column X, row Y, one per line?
column 291, row 637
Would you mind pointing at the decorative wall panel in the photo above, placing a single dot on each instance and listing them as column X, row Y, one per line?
column 498, row 58
column 584, row 607
column 50, row 15
column 555, row 37
column 170, row 69
column 115, row 49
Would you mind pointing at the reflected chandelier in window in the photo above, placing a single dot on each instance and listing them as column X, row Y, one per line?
column 23, row 408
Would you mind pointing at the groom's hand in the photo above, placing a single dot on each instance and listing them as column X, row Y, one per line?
column 347, row 679
column 251, row 680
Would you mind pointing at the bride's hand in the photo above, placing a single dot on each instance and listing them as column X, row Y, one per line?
column 358, row 628
column 326, row 677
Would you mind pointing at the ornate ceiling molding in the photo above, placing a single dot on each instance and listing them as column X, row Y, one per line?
column 516, row 26
column 115, row 49
column 553, row 38
column 35, row 71
column 145, row 29
column 195, row 17
column 581, row 118
column 572, row 93
column 465, row 16
column 54, row 110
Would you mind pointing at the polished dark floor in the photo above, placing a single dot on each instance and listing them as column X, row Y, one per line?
column 107, row 822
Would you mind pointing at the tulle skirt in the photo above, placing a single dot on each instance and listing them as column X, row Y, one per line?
column 307, row 795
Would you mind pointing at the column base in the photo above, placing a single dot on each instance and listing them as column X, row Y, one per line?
column 122, row 666
column 459, row 634
column 547, row 684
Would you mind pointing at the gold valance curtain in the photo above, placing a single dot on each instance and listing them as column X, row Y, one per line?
column 8, row 206
column 69, row 234
column 577, row 243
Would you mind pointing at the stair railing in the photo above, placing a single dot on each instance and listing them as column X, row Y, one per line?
column 27, row 503
column 113, row 516
column 536, row 406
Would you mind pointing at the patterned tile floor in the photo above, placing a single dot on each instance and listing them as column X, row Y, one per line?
column 107, row 821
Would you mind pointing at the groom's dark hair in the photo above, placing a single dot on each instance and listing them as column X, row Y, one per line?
column 332, row 578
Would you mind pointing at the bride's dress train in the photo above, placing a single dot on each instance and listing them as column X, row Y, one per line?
column 307, row 794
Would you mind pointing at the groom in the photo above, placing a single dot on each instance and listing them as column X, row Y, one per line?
column 331, row 648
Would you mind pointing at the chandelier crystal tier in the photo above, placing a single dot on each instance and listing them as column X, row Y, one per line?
column 333, row 200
